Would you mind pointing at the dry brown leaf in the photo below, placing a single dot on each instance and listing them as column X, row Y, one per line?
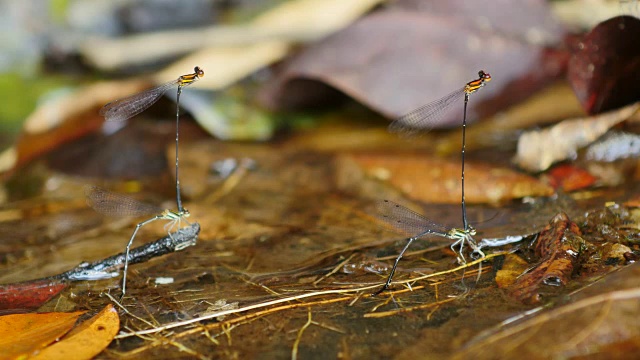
column 558, row 246
column 436, row 180
column 398, row 59
column 22, row 335
column 87, row 339
column 539, row 149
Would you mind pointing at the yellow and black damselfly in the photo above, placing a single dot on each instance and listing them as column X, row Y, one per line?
column 423, row 119
column 426, row 116
column 125, row 108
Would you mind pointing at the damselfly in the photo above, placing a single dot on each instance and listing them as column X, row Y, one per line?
column 425, row 117
column 113, row 204
column 128, row 107
column 416, row 226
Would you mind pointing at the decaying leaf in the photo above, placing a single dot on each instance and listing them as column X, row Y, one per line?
column 539, row 149
column 512, row 268
column 30, row 294
column 23, row 335
column 599, row 322
column 558, row 247
column 86, row 340
column 437, row 180
column 605, row 67
column 398, row 59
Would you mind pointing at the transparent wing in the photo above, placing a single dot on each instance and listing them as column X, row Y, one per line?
column 425, row 117
column 407, row 221
column 125, row 108
column 113, row 204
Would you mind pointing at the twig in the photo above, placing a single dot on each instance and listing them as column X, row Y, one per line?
column 294, row 351
column 104, row 268
column 127, row 311
column 98, row 270
column 408, row 309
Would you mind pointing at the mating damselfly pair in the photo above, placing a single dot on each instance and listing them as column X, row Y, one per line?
column 410, row 222
column 113, row 204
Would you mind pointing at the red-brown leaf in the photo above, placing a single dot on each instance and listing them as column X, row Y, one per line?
column 605, row 68
column 28, row 295
column 558, row 250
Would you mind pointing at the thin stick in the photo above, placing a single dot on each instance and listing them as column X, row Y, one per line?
column 179, row 240
column 127, row 311
column 409, row 309
column 294, row 351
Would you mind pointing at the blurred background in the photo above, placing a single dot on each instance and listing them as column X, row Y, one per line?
column 284, row 146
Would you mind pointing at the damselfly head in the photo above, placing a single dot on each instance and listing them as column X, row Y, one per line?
column 485, row 77
column 200, row 73
column 471, row 230
column 185, row 213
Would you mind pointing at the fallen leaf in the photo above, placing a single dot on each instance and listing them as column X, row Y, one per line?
column 28, row 295
column 531, row 21
column 396, row 60
column 599, row 322
column 513, row 267
column 22, row 335
column 605, row 66
column 615, row 252
column 570, row 178
column 87, row 339
column 539, row 149
column 558, row 247
column 436, row 180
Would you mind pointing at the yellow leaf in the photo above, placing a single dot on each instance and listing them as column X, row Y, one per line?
column 23, row 334
column 87, row 339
